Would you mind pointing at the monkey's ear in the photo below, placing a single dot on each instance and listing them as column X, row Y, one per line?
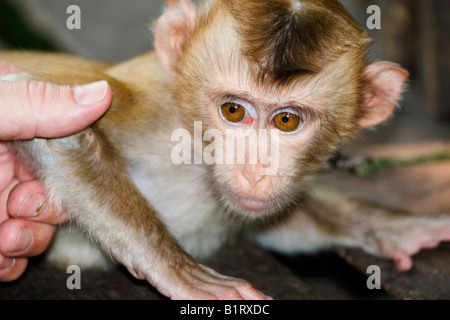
column 383, row 87
column 172, row 29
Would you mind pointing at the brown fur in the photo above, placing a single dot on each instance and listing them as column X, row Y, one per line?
column 289, row 47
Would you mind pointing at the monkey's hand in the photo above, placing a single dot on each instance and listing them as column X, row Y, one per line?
column 194, row 281
column 402, row 236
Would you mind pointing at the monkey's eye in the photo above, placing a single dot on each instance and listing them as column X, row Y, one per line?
column 286, row 121
column 233, row 112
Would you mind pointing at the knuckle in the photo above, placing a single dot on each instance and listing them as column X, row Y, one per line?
column 248, row 291
column 19, row 196
column 9, row 232
column 38, row 94
column 209, row 296
column 231, row 293
column 14, row 271
column 245, row 286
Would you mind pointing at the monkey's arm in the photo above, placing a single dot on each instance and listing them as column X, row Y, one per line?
column 85, row 176
column 328, row 219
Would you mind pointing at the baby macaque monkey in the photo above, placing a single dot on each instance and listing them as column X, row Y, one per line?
column 159, row 179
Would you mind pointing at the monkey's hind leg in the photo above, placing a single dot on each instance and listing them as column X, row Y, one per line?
column 329, row 219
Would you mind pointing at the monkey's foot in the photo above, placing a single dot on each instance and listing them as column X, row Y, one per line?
column 412, row 235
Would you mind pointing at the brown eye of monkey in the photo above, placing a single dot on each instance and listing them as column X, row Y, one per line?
column 233, row 112
column 286, row 121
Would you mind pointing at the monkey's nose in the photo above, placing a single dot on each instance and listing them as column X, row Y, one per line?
column 252, row 173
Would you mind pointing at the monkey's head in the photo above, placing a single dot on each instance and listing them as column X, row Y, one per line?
column 292, row 69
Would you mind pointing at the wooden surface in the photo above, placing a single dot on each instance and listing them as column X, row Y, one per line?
column 238, row 259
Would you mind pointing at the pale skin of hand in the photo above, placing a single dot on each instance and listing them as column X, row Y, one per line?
column 28, row 110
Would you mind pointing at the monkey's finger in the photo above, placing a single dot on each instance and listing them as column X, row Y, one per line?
column 41, row 109
column 12, row 268
column 21, row 238
column 402, row 260
column 28, row 200
column 401, row 257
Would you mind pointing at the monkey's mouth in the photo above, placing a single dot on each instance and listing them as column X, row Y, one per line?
column 253, row 205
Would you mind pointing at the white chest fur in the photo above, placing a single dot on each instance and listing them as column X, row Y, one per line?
column 179, row 196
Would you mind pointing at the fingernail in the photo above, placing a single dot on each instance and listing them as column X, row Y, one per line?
column 34, row 204
column 6, row 263
column 90, row 93
column 23, row 242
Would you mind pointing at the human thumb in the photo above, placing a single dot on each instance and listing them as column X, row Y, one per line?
column 42, row 109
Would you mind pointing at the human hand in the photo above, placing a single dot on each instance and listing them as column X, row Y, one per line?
column 28, row 110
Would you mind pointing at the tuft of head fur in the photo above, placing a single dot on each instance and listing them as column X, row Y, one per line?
column 284, row 39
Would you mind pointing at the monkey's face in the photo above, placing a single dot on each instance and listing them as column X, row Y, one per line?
column 257, row 138
column 260, row 137
column 263, row 140
column 273, row 103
